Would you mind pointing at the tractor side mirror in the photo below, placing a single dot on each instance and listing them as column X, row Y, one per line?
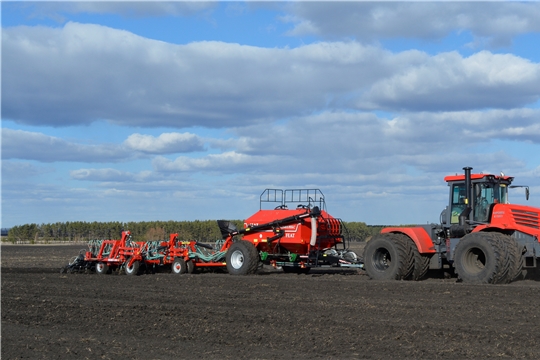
column 523, row 186
column 442, row 217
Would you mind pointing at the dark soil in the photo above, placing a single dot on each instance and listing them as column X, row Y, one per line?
column 326, row 314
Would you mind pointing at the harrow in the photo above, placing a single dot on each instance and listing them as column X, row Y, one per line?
column 131, row 257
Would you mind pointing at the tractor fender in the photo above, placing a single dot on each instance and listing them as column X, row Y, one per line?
column 418, row 235
column 486, row 227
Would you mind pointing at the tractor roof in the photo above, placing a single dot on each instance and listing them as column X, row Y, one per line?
column 477, row 177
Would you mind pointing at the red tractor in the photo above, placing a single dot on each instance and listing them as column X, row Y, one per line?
column 292, row 231
column 481, row 236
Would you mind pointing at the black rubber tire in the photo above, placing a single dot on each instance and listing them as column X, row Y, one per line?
column 481, row 258
column 190, row 267
column 420, row 263
column 179, row 266
column 515, row 258
column 242, row 258
column 255, row 254
column 102, row 268
column 134, row 269
column 388, row 257
column 295, row 270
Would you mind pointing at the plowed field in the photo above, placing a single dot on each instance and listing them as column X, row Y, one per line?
column 326, row 314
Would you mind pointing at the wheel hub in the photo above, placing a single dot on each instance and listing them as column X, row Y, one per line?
column 237, row 259
column 382, row 259
column 475, row 260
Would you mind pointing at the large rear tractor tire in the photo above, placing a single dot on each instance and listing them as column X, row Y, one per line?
column 133, row 269
column 482, row 258
column 102, row 268
column 242, row 258
column 388, row 257
column 179, row 266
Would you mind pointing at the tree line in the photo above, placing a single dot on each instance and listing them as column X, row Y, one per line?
column 205, row 230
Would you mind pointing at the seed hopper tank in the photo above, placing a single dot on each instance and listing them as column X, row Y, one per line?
column 293, row 230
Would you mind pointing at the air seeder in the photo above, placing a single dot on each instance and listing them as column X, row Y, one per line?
column 294, row 239
column 291, row 230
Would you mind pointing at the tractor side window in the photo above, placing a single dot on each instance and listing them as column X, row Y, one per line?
column 459, row 194
column 503, row 192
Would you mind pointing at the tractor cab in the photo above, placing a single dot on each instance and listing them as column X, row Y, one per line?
column 472, row 197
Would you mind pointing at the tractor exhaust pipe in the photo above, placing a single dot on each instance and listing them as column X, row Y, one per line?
column 465, row 214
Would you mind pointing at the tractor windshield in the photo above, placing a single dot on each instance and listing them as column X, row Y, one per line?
column 486, row 194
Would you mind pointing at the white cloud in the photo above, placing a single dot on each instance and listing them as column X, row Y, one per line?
column 227, row 162
column 82, row 73
column 494, row 22
column 166, row 143
column 343, row 141
column 20, row 144
column 109, row 175
column 15, row 171
column 342, row 148
column 450, row 82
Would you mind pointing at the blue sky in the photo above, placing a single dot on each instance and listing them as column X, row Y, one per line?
column 139, row 111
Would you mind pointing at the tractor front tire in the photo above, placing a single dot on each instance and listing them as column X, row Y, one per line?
column 102, row 268
column 179, row 266
column 133, row 269
column 388, row 257
column 481, row 258
column 242, row 258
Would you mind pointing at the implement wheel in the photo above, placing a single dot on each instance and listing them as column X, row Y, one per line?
column 388, row 257
column 481, row 258
column 190, row 267
column 133, row 269
column 179, row 266
column 102, row 268
column 242, row 258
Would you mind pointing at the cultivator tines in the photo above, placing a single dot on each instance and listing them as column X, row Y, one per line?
column 219, row 244
column 94, row 246
column 153, row 250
